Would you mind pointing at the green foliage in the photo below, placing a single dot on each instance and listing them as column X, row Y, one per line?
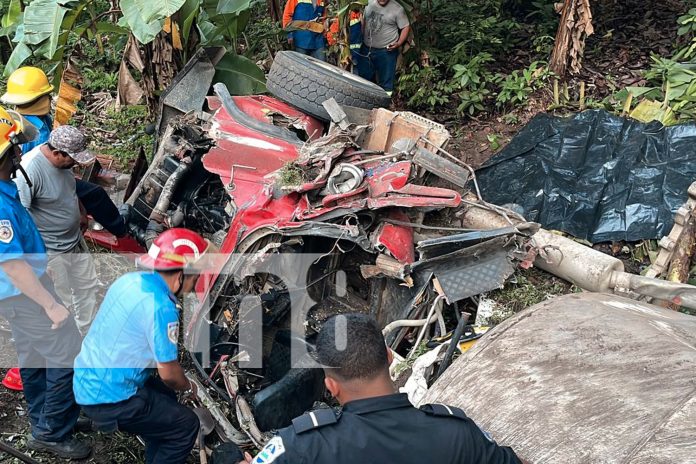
column 53, row 29
column 425, row 86
column 128, row 125
column 465, row 67
column 290, row 175
column 240, row 75
column 473, row 100
column 50, row 29
column 516, row 87
column 528, row 288
column 97, row 80
column 472, row 74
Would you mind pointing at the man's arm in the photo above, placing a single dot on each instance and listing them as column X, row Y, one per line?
column 23, row 278
column 173, row 376
column 288, row 12
column 403, row 36
column 26, row 193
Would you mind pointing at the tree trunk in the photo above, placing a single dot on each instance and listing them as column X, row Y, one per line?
column 574, row 27
column 274, row 11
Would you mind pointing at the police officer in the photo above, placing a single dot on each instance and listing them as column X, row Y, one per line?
column 135, row 334
column 376, row 424
column 45, row 334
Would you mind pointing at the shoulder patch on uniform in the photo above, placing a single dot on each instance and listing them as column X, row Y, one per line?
column 272, row 451
column 314, row 420
column 6, row 231
column 173, row 332
column 442, row 410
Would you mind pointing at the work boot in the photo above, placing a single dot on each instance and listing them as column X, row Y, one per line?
column 84, row 425
column 71, row 448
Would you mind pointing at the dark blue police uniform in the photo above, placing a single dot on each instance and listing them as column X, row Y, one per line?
column 135, row 329
column 45, row 355
column 384, row 429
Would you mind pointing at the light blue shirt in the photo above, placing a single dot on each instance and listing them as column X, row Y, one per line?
column 43, row 124
column 137, row 326
column 19, row 238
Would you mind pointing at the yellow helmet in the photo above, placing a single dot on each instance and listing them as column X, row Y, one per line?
column 26, row 85
column 14, row 129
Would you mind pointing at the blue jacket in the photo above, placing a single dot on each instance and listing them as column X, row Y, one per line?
column 44, row 125
column 304, row 10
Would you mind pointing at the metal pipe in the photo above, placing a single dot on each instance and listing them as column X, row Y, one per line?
column 226, row 430
column 160, row 210
column 434, row 309
column 389, row 328
column 674, row 292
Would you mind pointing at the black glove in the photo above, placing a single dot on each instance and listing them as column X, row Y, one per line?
column 226, row 453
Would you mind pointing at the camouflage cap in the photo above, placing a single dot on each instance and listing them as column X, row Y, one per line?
column 72, row 141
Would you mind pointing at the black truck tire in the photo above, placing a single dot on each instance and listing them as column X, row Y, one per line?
column 305, row 83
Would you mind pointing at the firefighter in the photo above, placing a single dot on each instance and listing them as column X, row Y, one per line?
column 376, row 424
column 29, row 91
column 135, row 334
column 44, row 332
column 305, row 20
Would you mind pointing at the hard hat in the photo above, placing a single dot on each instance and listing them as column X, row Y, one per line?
column 174, row 249
column 13, row 380
column 26, row 85
column 14, row 129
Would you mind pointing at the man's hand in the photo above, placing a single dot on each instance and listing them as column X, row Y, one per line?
column 291, row 42
column 393, row 46
column 192, row 389
column 58, row 315
column 84, row 222
column 247, row 458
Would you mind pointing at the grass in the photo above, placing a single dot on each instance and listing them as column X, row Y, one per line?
column 290, row 175
column 527, row 288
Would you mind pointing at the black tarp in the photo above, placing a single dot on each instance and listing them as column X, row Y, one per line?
column 595, row 176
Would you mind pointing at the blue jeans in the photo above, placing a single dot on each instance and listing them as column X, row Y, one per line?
column 378, row 65
column 356, row 57
column 319, row 53
column 98, row 203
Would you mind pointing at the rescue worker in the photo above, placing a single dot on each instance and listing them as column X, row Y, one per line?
column 376, row 424
column 134, row 334
column 29, row 91
column 385, row 30
column 44, row 332
column 305, row 20
column 354, row 36
column 48, row 193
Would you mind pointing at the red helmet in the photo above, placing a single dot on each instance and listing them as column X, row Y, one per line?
column 174, row 249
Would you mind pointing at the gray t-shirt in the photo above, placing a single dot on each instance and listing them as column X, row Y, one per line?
column 51, row 201
column 383, row 23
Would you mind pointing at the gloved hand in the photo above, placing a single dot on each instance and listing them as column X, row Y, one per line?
column 125, row 210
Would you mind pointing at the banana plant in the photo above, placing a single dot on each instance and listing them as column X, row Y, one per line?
column 42, row 28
